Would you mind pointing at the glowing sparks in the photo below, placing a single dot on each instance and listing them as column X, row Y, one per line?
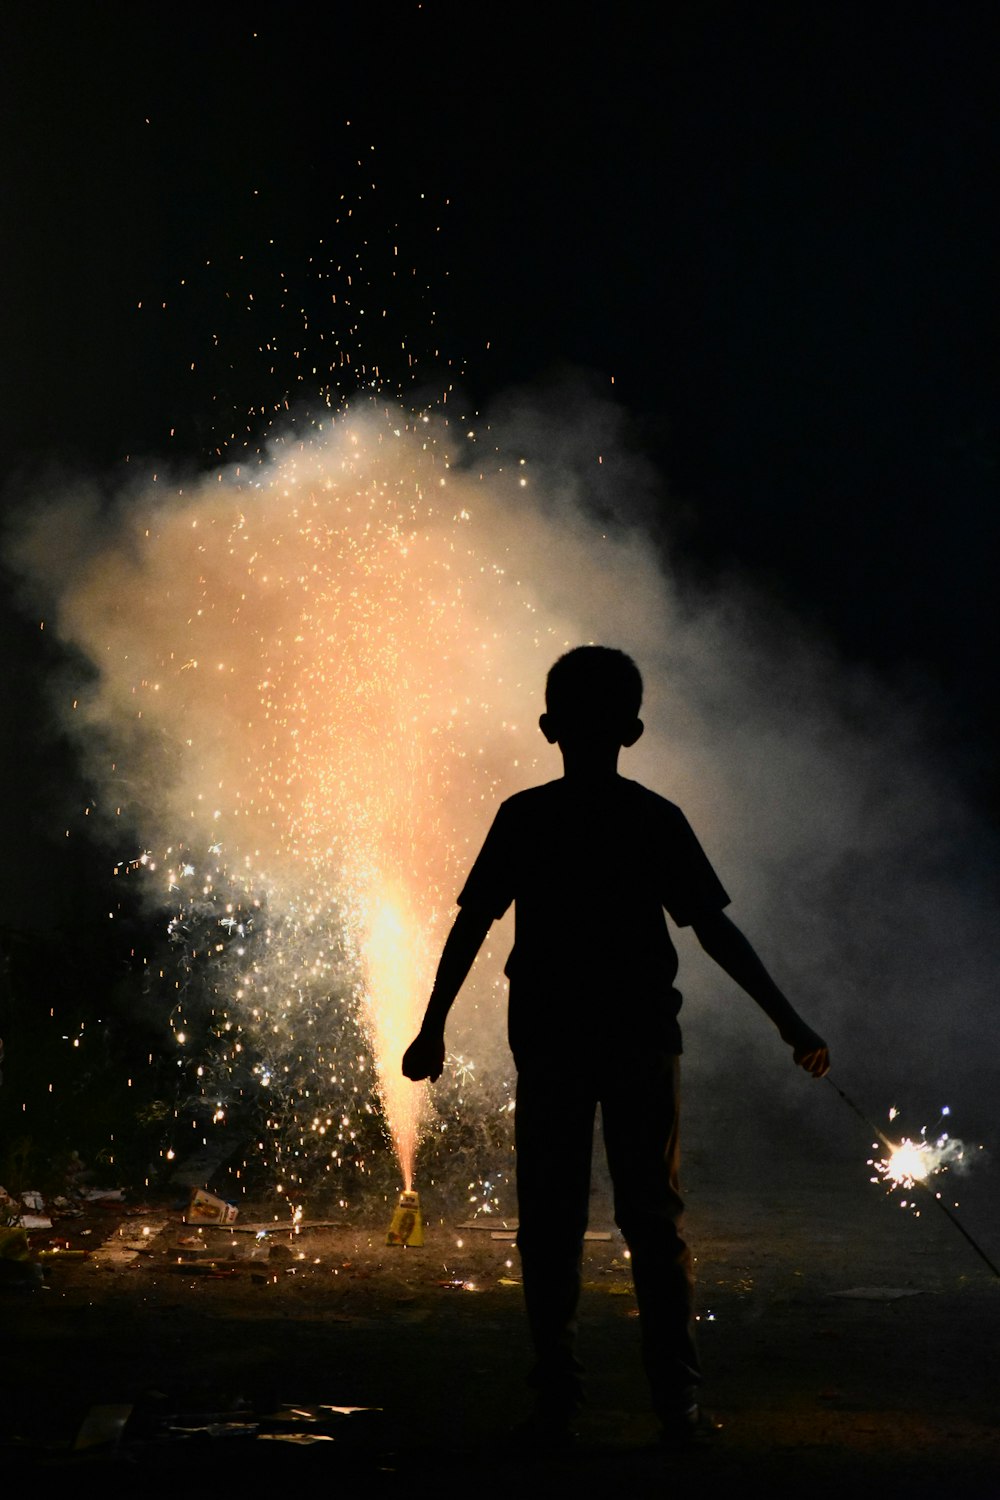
column 912, row 1162
column 398, row 974
column 909, row 1163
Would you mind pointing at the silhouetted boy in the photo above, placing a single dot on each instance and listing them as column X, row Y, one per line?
column 591, row 861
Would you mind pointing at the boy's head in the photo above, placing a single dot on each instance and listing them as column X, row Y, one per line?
column 593, row 693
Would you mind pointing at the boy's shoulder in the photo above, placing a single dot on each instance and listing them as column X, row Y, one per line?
column 630, row 796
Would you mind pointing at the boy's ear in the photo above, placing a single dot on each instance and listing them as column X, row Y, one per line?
column 548, row 728
column 633, row 733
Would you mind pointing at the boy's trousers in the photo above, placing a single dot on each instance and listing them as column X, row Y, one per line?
column 638, row 1090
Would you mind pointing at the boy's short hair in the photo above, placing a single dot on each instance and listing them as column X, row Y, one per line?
column 594, row 681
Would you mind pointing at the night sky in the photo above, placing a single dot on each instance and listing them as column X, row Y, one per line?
column 768, row 231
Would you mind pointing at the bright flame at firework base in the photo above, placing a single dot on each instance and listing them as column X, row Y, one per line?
column 398, row 978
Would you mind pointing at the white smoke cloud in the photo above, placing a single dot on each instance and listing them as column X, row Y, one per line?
column 329, row 667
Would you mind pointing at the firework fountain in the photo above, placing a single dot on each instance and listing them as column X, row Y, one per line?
column 310, row 676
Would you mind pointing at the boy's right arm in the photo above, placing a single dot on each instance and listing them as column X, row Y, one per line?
column 732, row 951
column 424, row 1057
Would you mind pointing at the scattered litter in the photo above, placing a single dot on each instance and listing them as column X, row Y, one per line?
column 36, row 1217
column 206, row 1208
column 191, row 1253
column 296, row 1414
column 301, row 1439
column 113, row 1253
column 65, row 1209
column 300, row 1424
column 128, row 1242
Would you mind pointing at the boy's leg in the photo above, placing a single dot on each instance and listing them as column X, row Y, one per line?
column 640, row 1109
column 554, row 1129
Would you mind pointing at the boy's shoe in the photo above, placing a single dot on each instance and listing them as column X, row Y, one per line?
column 688, row 1427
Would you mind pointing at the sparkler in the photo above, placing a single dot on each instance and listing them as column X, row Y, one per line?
column 910, row 1164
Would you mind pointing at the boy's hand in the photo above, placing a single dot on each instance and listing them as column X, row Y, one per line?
column 811, row 1052
column 424, row 1057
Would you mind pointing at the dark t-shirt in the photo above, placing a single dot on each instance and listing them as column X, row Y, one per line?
column 590, row 871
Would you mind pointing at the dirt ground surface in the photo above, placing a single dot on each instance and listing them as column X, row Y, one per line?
column 850, row 1348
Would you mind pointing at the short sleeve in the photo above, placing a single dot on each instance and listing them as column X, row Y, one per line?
column 490, row 886
column 692, row 889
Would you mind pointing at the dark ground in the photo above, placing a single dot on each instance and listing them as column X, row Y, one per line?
column 850, row 1349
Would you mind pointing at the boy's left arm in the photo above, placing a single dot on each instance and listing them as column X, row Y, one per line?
column 723, row 941
column 424, row 1057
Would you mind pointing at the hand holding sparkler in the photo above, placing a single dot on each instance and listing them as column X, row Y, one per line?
column 811, row 1053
